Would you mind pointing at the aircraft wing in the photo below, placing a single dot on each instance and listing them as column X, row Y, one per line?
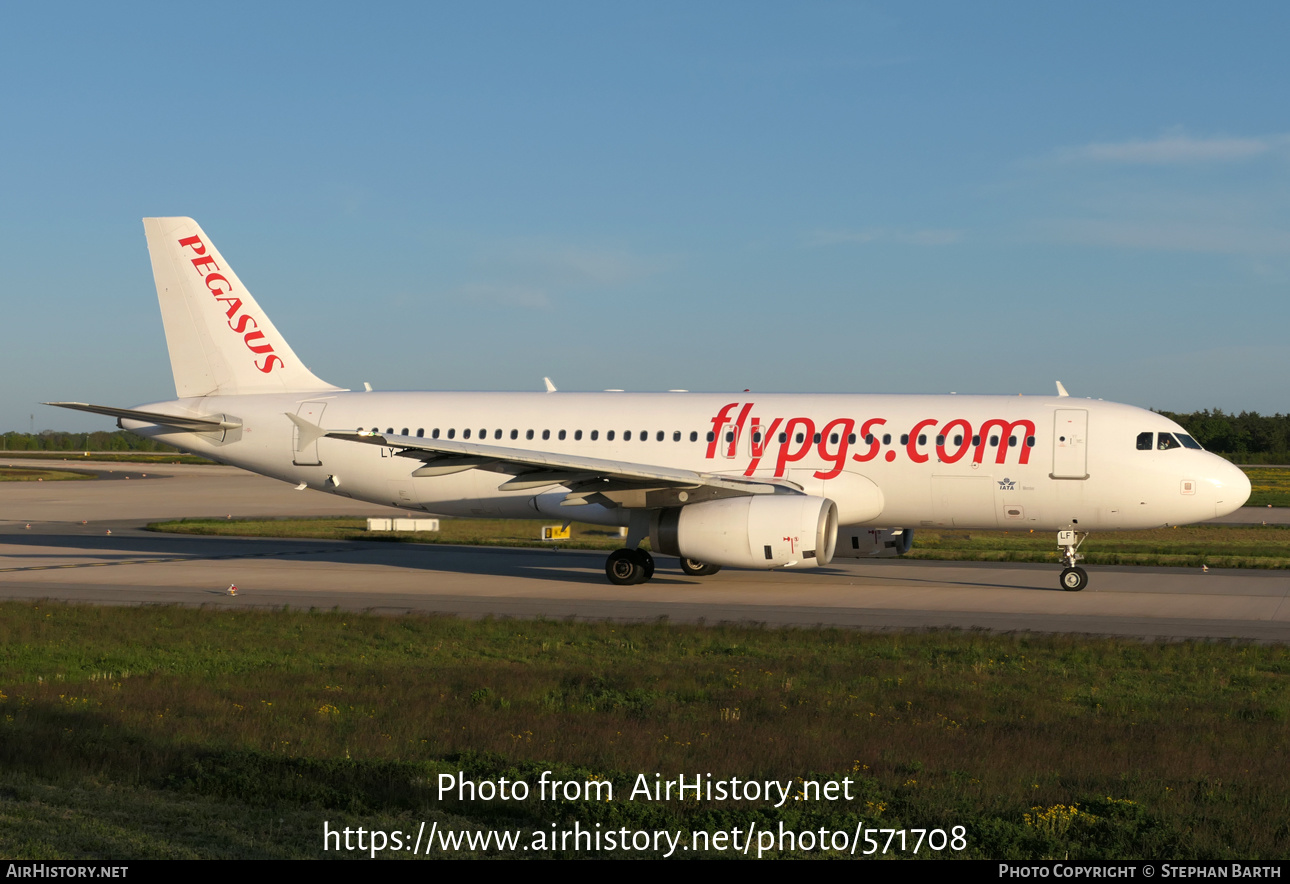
column 538, row 469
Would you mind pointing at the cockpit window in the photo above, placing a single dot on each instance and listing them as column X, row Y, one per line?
column 1167, row 441
column 1189, row 442
column 1145, row 441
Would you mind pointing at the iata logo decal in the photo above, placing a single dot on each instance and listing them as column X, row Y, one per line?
column 220, row 287
column 1006, row 484
column 788, row 440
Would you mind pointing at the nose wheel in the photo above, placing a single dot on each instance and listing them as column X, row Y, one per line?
column 626, row 567
column 1074, row 578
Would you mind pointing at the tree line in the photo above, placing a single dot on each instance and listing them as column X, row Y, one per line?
column 1248, row 437
column 55, row 440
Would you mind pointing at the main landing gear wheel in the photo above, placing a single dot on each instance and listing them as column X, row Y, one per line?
column 691, row 568
column 1074, row 579
column 626, row 567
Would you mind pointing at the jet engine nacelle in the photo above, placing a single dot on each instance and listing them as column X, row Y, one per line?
column 758, row 531
column 861, row 542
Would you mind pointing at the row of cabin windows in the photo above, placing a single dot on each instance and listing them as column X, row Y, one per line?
column 661, row 436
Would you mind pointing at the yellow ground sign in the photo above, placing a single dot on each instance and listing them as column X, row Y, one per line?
column 555, row 532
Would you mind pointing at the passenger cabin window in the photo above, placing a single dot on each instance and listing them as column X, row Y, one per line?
column 1145, row 441
column 562, row 435
column 659, row 437
column 546, row 434
column 609, row 436
column 452, row 433
column 421, row 432
column 694, row 436
column 528, row 434
column 595, row 434
column 515, row 434
column 465, row 434
column 577, row 435
column 676, row 436
column 627, row 435
column 434, row 434
column 497, row 434
column 405, row 431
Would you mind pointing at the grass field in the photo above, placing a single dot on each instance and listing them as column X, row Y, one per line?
column 1269, row 486
column 35, row 474
column 162, row 732
column 1256, row 546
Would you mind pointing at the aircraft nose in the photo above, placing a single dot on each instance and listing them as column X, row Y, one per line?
column 1230, row 487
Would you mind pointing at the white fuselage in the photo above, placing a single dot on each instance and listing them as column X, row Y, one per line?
column 1033, row 462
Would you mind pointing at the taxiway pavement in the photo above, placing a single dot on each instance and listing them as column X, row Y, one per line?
column 58, row 557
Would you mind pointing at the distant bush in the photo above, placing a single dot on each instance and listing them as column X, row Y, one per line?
column 1247, row 437
column 55, row 440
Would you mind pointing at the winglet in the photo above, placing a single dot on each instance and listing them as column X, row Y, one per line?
column 309, row 433
column 1061, row 391
column 550, row 387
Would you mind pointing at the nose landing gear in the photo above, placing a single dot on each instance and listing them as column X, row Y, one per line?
column 1073, row 578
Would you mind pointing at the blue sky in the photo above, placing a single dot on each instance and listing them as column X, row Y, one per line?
column 868, row 197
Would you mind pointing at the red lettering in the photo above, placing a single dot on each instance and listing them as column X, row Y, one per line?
column 866, row 431
column 195, row 243
column 242, row 323
column 218, row 277
column 268, row 364
column 911, row 447
column 207, row 261
column 966, row 428
column 759, row 442
column 257, row 336
column 1007, row 429
column 739, row 426
column 837, row 458
column 717, row 423
column 785, row 455
column 234, row 305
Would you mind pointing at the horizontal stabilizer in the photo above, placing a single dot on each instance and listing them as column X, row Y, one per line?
column 204, row 424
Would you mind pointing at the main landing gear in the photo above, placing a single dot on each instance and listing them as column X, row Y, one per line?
column 691, row 568
column 1073, row 578
column 625, row 567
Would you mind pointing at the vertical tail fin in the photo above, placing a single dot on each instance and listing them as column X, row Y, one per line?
column 220, row 341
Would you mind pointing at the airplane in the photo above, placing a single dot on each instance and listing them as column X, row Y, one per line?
column 765, row 481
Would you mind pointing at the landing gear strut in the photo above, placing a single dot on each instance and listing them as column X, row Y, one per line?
column 626, row 567
column 692, row 568
column 1073, row 578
